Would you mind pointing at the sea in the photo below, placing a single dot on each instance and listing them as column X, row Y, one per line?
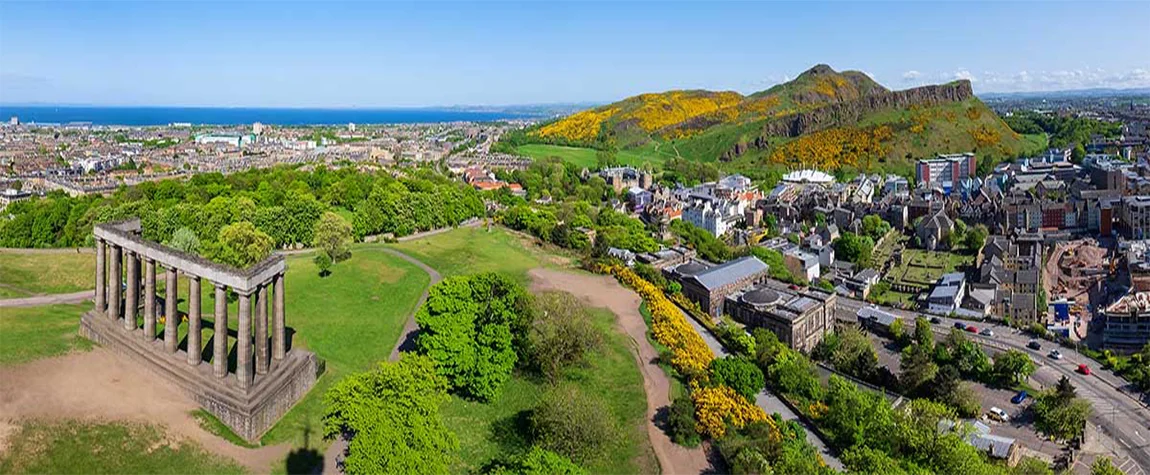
column 147, row 116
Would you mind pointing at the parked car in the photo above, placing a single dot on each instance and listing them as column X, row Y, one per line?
column 986, row 332
column 1018, row 398
column 1034, row 345
column 960, row 325
column 972, row 329
column 1055, row 354
column 793, row 287
column 1084, row 369
column 935, row 320
column 999, row 414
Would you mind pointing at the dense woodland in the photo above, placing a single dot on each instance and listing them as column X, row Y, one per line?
column 1063, row 131
column 282, row 203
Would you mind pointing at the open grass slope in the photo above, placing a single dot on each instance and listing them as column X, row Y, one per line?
column 32, row 333
column 87, row 447
column 473, row 250
column 26, row 273
column 486, row 430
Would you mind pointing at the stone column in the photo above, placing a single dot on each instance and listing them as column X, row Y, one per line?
column 101, row 278
column 171, row 313
column 244, row 343
column 279, row 342
column 132, row 300
column 149, row 299
column 194, row 333
column 114, row 282
column 220, row 338
column 262, row 330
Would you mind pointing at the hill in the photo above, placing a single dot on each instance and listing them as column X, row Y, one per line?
column 824, row 118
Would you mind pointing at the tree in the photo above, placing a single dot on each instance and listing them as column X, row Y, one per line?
column 332, row 235
column 681, row 422
column 923, row 334
column 323, row 263
column 898, row 332
column 391, row 415
column 185, row 240
column 976, row 237
column 561, row 333
column 1103, row 466
column 740, row 373
column 854, row 354
column 854, row 248
column 874, row 227
column 536, row 461
column 573, row 423
column 470, row 326
column 918, row 368
column 1032, row 466
column 1060, row 416
column 1077, row 153
column 241, row 245
column 1013, row 367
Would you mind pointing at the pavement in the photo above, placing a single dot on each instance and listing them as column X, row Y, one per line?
column 770, row 401
column 74, row 297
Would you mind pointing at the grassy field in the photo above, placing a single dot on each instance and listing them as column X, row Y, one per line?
column 487, row 430
column 923, row 268
column 474, row 249
column 83, row 447
column 651, row 153
column 32, row 333
column 28, row 273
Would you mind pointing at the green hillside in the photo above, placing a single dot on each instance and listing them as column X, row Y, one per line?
column 823, row 118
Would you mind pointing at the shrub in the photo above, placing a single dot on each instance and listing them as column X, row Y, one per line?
column 575, row 424
column 681, row 422
column 561, row 333
column 740, row 373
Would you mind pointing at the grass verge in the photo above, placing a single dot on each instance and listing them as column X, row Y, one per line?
column 32, row 333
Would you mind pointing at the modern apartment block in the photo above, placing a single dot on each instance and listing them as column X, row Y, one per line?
column 945, row 171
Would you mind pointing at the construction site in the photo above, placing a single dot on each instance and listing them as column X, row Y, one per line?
column 1076, row 273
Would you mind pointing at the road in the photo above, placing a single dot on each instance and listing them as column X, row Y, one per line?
column 1118, row 411
column 770, row 402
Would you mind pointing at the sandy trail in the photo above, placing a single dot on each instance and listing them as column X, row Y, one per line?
column 603, row 291
column 100, row 386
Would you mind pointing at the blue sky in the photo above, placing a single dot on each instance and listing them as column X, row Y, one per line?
column 377, row 54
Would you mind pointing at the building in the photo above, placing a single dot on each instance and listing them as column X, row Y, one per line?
column 1126, row 327
column 877, row 320
column 14, row 121
column 947, row 294
column 707, row 285
column 350, row 127
column 945, row 171
column 978, row 435
column 665, row 258
column 622, row 178
column 639, row 198
column 717, row 217
column 1055, row 155
column 1134, row 216
column 808, row 177
column 236, row 141
column 800, row 319
column 802, row 264
column 933, row 230
column 257, row 128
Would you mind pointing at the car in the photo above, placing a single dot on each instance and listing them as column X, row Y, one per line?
column 986, row 332
column 1034, row 345
column 1018, row 398
column 999, row 414
column 1084, row 369
column 972, row 329
column 935, row 320
column 1055, row 354
column 794, row 287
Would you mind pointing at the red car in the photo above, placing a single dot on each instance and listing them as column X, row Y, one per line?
column 972, row 329
column 1084, row 369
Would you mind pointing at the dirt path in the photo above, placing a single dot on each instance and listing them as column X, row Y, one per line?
column 100, row 386
column 74, row 297
column 603, row 291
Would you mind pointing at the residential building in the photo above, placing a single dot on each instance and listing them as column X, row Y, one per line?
column 800, row 319
column 877, row 320
column 1126, row 327
column 707, row 285
column 717, row 217
column 802, row 264
column 665, row 258
column 1134, row 216
column 945, row 170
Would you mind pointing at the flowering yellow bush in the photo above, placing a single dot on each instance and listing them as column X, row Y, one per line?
column 579, row 126
column 690, row 354
column 716, row 406
column 834, row 148
column 661, row 110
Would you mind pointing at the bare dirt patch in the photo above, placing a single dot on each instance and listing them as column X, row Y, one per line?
column 605, row 292
column 99, row 385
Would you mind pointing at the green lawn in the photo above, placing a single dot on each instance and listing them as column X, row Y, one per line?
column 83, row 447
column 28, row 273
column 474, row 249
column 585, row 157
column 487, row 430
column 31, row 333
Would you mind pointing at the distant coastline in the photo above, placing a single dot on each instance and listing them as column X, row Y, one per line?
column 159, row 116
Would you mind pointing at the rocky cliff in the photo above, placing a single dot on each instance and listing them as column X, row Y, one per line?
column 848, row 113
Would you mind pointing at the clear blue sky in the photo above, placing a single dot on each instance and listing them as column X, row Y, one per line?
column 373, row 54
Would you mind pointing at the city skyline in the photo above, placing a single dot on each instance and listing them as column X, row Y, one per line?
column 403, row 55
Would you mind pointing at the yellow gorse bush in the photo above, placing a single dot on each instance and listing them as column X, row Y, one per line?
column 690, row 354
column 834, row 148
column 717, row 406
column 579, row 126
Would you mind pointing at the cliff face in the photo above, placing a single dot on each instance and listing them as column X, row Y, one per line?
column 851, row 112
